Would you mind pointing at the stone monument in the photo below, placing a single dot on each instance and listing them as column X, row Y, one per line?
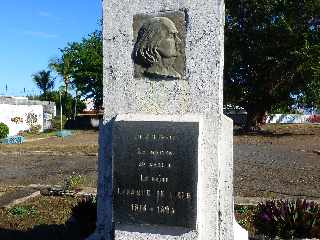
column 165, row 159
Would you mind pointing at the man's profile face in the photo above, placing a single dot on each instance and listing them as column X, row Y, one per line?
column 169, row 44
column 158, row 52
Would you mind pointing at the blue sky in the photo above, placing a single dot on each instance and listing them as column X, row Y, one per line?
column 32, row 31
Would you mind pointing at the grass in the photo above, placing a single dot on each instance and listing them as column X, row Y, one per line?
column 48, row 216
column 57, row 210
column 244, row 216
column 23, row 211
column 29, row 135
column 41, row 210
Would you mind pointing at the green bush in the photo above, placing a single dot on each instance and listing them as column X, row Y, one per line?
column 73, row 181
column 4, row 130
column 56, row 122
column 68, row 102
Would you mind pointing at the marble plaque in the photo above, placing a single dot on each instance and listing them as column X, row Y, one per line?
column 155, row 173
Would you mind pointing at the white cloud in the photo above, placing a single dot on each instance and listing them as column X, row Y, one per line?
column 40, row 34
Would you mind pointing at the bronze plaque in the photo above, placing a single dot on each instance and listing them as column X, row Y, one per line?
column 155, row 173
column 159, row 45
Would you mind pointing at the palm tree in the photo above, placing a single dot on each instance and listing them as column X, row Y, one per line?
column 63, row 68
column 44, row 81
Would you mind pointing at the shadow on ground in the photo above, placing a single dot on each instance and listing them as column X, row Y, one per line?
column 70, row 231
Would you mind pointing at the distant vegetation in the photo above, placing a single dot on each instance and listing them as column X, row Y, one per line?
column 272, row 55
column 4, row 130
column 272, row 58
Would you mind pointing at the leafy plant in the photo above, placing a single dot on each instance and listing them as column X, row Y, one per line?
column 56, row 122
column 287, row 219
column 22, row 211
column 43, row 80
column 35, row 129
column 244, row 216
column 73, row 181
column 4, row 130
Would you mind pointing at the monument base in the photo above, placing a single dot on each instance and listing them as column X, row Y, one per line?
column 214, row 187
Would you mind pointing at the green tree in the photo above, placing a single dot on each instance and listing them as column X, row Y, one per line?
column 4, row 130
column 44, row 81
column 269, row 48
column 309, row 97
column 81, row 65
column 63, row 68
column 68, row 103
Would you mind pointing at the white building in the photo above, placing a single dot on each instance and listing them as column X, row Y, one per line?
column 19, row 113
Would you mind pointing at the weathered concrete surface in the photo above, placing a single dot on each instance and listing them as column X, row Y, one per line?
column 199, row 92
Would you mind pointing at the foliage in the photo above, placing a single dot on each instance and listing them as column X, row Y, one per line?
column 81, row 65
column 244, row 216
column 73, row 181
column 85, row 212
column 21, row 211
column 68, row 103
column 287, row 219
column 44, row 81
column 283, row 109
column 35, row 129
column 4, row 130
column 56, row 122
column 271, row 50
column 63, row 68
column 309, row 97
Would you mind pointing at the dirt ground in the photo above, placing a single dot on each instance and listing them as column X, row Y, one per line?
column 280, row 162
column 50, row 161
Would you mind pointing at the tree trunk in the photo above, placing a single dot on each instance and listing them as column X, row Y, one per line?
column 254, row 119
column 65, row 79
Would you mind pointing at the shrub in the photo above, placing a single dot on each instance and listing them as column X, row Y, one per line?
column 35, row 129
column 56, row 122
column 288, row 219
column 4, row 130
column 73, row 181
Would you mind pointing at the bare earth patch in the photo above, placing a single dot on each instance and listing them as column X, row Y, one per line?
column 50, row 160
column 280, row 162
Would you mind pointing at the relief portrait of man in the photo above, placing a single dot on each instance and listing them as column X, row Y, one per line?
column 157, row 48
